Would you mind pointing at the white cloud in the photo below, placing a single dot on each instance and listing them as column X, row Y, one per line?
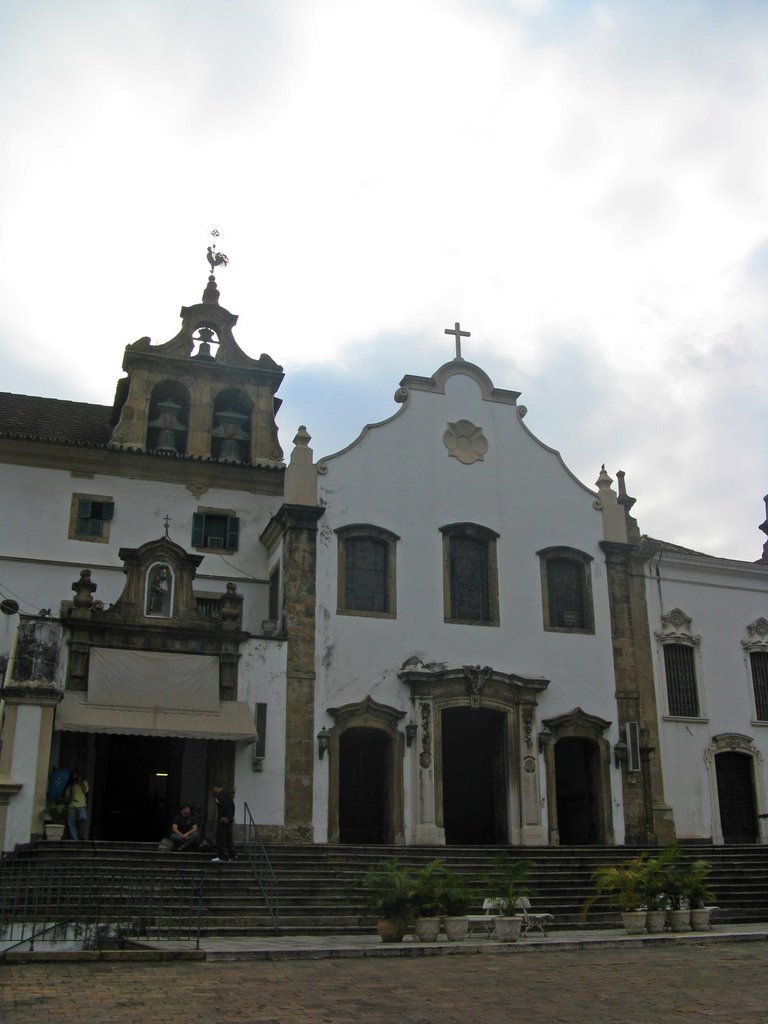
column 577, row 183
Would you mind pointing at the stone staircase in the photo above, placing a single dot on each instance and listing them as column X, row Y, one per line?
column 321, row 890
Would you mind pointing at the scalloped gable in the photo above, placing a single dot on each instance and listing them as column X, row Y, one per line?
column 436, row 383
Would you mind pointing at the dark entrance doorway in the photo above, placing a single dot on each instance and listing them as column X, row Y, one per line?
column 365, row 786
column 474, row 776
column 142, row 787
column 576, row 774
column 735, row 794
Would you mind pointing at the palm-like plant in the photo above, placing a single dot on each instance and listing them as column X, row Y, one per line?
column 509, row 882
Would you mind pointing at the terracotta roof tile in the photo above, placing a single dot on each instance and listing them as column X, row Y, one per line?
column 51, row 418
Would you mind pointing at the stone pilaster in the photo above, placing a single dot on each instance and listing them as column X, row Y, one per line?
column 647, row 817
column 299, row 529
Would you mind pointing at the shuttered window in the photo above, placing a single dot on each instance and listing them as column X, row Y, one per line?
column 215, row 531
column 758, row 661
column 680, row 670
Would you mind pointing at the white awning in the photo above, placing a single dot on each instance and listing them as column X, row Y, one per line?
column 232, row 721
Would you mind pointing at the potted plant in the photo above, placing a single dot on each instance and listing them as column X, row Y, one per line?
column 696, row 884
column 655, row 885
column 623, row 885
column 510, row 885
column 429, row 900
column 456, row 901
column 391, row 890
column 675, row 888
column 55, row 820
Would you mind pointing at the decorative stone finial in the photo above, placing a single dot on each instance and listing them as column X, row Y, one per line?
column 624, row 498
column 614, row 521
column 764, row 528
column 301, row 474
column 83, row 599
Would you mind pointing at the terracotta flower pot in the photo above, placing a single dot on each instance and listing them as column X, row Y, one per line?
column 390, row 930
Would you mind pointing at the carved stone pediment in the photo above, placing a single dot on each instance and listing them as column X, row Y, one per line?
column 757, row 635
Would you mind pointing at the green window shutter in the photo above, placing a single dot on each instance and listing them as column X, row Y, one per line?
column 107, row 510
column 83, row 516
column 198, row 530
column 233, row 533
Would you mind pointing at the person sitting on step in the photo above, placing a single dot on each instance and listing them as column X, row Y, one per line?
column 185, row 835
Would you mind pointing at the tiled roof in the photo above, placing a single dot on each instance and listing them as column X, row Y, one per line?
column 51, row 418
column 652, row 545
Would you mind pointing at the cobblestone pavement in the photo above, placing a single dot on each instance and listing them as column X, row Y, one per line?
column 723, row 983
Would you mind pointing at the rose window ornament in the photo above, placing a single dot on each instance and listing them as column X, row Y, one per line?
column 465, row 442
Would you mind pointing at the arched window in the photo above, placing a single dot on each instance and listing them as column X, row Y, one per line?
column 231, row 430
column 566, row 589
column 470, row 577
column 168, row 421
column 679, row 647
column 366, row 571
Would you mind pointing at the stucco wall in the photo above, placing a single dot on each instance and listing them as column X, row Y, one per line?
column 399, row 476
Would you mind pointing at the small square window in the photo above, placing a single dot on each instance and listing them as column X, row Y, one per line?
column 90, row 516
column 215, row 531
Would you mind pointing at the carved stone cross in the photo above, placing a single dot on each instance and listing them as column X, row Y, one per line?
column 459, row 334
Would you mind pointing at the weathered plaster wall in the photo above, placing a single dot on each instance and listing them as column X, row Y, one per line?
column 399, row 476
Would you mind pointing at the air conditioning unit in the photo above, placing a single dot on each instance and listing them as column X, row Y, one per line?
column 215, row 542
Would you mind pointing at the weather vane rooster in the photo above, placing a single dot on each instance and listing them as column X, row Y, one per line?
column 216, row 259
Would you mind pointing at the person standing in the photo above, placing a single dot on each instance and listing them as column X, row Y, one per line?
column 225, row 820
column 76, row 796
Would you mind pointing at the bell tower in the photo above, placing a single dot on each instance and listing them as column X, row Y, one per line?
column 199, row 395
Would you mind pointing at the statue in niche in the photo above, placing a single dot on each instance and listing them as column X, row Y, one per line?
column 159, row 587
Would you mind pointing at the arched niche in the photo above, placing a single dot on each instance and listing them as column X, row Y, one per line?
column 231, row 426
column 168, row 418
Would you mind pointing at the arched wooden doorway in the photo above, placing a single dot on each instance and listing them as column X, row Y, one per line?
column 736, row 797
column 365, row 774
column 578, row 779
column 578, row 791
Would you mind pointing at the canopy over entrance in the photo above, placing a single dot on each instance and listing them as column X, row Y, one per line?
column 233, row 720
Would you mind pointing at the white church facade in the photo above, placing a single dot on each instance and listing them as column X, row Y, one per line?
column 437, row 635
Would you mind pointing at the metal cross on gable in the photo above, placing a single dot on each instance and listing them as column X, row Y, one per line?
column 459, row 334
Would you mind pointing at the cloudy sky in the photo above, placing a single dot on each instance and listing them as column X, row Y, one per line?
column 584, row 185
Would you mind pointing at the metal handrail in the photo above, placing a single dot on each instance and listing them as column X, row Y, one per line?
column 94, row 904
column 261, row 866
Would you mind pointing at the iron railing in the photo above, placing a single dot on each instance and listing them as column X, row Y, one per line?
column 95, row 906
column 261, row 866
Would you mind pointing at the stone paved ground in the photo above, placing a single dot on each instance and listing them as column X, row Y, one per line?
column 723, row 983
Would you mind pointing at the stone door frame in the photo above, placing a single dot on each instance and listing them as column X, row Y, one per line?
column 577, row 724
column 366, row 714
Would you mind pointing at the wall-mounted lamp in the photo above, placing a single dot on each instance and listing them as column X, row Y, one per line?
column 410, row 733
column 620, row 753
column 323, row 742
column 544, row 740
